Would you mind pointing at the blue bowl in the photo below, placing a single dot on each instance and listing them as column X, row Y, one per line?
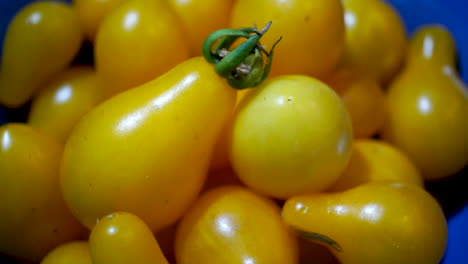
column 451, row 193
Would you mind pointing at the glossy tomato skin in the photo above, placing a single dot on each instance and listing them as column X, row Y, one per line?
column 200, row 18
column 76, row 252
column 232, row 224
column 291, row 135
column 428, row 106
column 34, row 218
column 138, row 41
column 92, row 12
column 60, row 105
column 41, row 40
column 122, row 238
column 147, row 150
column 375, row 160
column 375, row 39
column 377, row 222
column 312, row 31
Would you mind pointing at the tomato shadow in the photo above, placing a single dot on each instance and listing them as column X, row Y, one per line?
column 451, row 193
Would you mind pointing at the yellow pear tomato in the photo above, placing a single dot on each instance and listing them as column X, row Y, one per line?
column 76, row 252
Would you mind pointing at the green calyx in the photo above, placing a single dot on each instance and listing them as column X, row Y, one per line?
column 243, row 66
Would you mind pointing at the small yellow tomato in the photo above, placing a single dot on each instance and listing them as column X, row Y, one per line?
column 375, row 160
column 428, row 105
column 92, row 12
column 59, row 106
column 232, row 224
column 291, row 135
column 377, row 222
column 147, row 150
column 138, row 41
column 41, row 41
column 364, row 99
column 122, row 238
column 34, row 218
column 200, row 18
column 76, row 252
column 375, row 38
column 313, row 32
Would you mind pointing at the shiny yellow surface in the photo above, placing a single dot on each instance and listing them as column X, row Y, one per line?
column 137, row 42
column 374, row 160
column 41, row 40
column 364, row 99
column 374, row 223
column 123, row 238
column 200, row 18
column 92, row 12
column 61, row 104
column 34, row 218
column 428, row 107
column 147, row 150
column 375, row 38
column 70, row 253
column 292, row 135
column 232, row 224
column 313, row 32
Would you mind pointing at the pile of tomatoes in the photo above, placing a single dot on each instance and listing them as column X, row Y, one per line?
column 200, row 136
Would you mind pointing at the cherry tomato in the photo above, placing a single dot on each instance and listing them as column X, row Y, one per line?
column 375, row 38
column 138, row 41
column 76, row 252
column 200, row 18
column 232, row 224
column 373, row 223
column 34, row 218
column 312, row 31
column 57, row 108
column 147, row 151
column 291, row 135
column 428, row 106
column 375, row 160
column 364, row 99
column 41, row 41
column 122, row 238
column 92, row 12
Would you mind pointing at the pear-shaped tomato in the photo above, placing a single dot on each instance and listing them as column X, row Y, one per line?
column 376, row 222
column 147, row 150
column 122, row 238
column 35, row 219
column 428, row 107
column 41, row 41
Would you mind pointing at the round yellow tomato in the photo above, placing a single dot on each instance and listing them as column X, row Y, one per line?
column 375, row 38
column 41, row 41
column 375, row 160
column 312, row 31
column 76, row 252
column 92, row 12
column 200, row 18
column 376, row 222
column 147, row 150
column 291, row 135
column 428, row 107
column 59, row 106
column 232, row 224
column 364, row 99
column 122, row 238
column 35, row 218
column 138, row 41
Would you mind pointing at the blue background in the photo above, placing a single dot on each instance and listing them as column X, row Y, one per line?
column 451, row 193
